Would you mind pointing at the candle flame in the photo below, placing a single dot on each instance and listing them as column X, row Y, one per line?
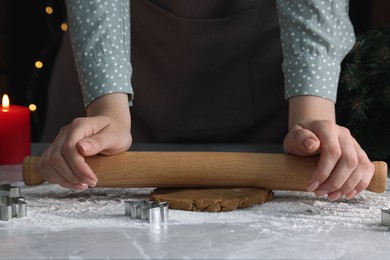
column 5, row 102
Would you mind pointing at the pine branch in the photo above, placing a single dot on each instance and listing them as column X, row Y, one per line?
column 364, row 92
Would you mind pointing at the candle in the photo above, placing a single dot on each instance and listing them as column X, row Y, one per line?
column 15, row 140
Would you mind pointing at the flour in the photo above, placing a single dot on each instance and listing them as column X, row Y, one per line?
column 53, row 208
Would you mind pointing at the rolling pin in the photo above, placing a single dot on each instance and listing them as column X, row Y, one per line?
column 202, row 169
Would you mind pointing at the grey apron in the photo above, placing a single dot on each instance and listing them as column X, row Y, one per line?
column 207, row 71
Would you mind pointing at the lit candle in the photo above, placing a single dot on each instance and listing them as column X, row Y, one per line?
column 15, row 136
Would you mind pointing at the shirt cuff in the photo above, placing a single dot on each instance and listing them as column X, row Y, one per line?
column 114, row 78
column 311, row 75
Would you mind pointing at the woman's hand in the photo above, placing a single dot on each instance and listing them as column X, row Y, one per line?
column 343, row 168
column 106, row 130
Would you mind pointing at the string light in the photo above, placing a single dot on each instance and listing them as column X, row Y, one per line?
column 49, row 10
column 32, row 107
column 64, row 27
column 38, row 64
column 55, row 31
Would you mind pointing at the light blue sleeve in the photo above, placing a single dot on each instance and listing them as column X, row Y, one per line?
column 316, row 36
column 100, row 36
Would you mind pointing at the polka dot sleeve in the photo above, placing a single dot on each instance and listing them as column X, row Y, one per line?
column 316, row 35
column 100, row 36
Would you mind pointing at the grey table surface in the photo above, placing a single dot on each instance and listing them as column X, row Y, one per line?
column 295, row 225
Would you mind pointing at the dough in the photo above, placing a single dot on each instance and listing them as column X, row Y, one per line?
column 211, row 199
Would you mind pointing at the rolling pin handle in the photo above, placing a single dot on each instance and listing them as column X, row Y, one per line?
column 30, row 170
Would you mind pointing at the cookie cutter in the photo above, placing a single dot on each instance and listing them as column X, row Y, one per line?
column 154, row 212
column 12, row 204
column 385, row 217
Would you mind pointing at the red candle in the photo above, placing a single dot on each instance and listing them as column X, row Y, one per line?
column 15, row 140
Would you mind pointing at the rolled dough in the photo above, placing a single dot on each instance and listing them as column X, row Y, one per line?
column 211, row 200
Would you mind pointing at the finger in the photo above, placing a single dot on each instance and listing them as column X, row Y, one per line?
column 360, row 178
column 73, row 163
column 53, row 163
column 59, row 163
column 348, row 188
column 107, row 141
column 362, row 185
column 76, row 170
column 300, row 141
column 330, row 154
column 92, row 145
column 343, row 170
column 51, row 175
column 352, row 194
column 368, row 170
column 59, row 179
column 58, row 171
column 62, row 163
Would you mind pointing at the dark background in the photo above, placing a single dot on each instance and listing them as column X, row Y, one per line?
column 28, row 33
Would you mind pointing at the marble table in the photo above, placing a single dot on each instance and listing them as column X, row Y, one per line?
column 65, row 224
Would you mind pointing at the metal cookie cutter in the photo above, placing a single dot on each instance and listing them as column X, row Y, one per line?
column 147, row 210
column 12, row 205
column 385, row 217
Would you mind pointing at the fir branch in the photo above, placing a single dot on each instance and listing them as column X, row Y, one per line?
column 363, row 102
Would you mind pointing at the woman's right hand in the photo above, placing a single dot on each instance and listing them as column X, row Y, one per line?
column 106, row 131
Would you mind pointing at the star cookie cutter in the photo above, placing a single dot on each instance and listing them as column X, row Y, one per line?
column 12, row 204
column 147, row 210
column 385, row 217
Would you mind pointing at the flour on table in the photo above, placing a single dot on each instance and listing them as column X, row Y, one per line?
column 52, row 208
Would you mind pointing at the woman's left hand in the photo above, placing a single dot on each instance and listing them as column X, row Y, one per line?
column 344, row 169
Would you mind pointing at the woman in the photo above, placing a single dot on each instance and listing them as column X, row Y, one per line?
column 210, row 71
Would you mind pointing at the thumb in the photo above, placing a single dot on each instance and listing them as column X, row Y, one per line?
column 90, row 146
column 302, row 142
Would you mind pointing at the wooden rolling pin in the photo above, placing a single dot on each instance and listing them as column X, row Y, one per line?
column 203, row 169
